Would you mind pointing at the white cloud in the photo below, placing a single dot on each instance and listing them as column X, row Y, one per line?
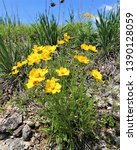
column 109, row 7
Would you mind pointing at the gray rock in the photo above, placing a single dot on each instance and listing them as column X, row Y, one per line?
column 117, row 78
column 3, row 135
column 18, row 131
column 106, row 94
column 27, row 145
column 37, row 124
column 116, row 116
column 37, row 135
column 103, row 145
column 12, row 144
column 102, row 104
column 109, row 108
column 117, row 140
column 11, row 120
column 30, row 123
column 26, row 133
column 33, row 139
column 116, row 87
column 110, row 101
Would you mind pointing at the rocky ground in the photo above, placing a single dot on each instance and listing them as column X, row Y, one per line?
column 20, row 129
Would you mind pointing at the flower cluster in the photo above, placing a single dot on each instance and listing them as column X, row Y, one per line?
column 65, row 39
column 88, row 47
column 40, row 54
column 15, row 69
column 36, row 76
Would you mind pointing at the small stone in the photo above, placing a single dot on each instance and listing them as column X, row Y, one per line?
column 26, row 133
column 12, row 137
column 117, row 78
column 33, row 139
column 109, row 131
column 110, row 101
column 116, row 87
column 109, row 108
column 103, row 145
column 117, row 140
column 27, row 145
column 3, row 136
column 37, row 124
column 102, row 134
column 116, row 116
column 30, row 123
column 106, row 93
column 114, row 147
column 18, row 131
column 37, row 141
column 102, row 104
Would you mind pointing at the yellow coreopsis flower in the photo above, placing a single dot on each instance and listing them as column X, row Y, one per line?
column 52, row 86
column 14, row 68
column 49, row 49
column 24, row 62
column 66, row 37
column 53, row 48
column 14, row 72
column 37, row 48
column 36, row 76
column 97, row 75
column 34, row 58
column 31, row 83
column 45, row 56
column 92, row 48
column 60, row 42
column 84, row 47
column 63, row 71
column 82, row 59
column 19, row 64
column 88, row 15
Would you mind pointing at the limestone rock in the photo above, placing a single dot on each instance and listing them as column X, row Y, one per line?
column 11, row 120
column 26, row 133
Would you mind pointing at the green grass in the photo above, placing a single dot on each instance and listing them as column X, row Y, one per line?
column 46, row 30
column 108, row 27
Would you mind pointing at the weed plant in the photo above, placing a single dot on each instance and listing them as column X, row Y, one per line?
column 61, row 71
column 46, row 30
column 108, row 27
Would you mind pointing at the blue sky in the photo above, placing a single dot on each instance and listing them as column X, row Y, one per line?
column 27, row 10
